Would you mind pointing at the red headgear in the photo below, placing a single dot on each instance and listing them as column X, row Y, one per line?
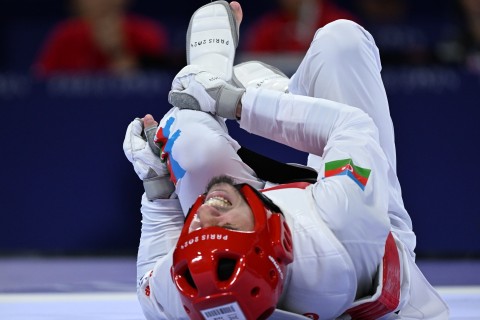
column 218, row 270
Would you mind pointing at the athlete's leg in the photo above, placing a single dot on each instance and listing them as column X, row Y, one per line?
column 199, row 148
column 343, row 65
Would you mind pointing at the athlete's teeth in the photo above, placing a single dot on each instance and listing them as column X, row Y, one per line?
column 218, row 202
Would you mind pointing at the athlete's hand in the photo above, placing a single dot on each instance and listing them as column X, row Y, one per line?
column 195, row 89
column 143, row 153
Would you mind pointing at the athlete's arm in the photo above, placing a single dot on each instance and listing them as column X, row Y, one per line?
column 162, row 221
column 351, row 194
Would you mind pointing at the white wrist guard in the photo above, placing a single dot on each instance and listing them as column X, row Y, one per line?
column 228, row 98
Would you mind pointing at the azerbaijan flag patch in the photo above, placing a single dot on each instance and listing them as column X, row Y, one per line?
column 346, row 167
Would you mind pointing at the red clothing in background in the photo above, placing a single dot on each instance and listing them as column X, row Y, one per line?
column 275, row 32
column 72, row 49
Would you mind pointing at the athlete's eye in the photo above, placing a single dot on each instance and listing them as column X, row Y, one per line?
column 229, row 227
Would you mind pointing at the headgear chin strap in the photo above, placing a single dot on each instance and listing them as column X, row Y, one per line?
column 218, row 270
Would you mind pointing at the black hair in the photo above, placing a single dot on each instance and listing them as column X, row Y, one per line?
column 220, row 179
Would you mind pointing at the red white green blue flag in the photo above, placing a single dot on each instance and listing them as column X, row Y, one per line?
column 348, row 168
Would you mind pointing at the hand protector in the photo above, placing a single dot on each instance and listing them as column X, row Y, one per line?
column 256, row 74
column 195, row 89
column 144, row 155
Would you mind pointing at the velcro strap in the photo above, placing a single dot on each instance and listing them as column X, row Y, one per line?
column 183, row 100
column 389, row 284
column 159, row 187
column 150, row 135
column 228, row 100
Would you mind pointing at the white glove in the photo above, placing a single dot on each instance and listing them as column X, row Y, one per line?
column 195, row 89
column 144, row 155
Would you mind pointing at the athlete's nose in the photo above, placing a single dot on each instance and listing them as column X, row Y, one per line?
column 208, row 216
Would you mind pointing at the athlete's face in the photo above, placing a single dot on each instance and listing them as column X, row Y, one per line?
column 224, row 207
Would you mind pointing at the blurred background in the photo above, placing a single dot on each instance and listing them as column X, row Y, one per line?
column 73, row 74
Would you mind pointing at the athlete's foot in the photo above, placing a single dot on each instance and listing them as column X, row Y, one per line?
column 237, row 12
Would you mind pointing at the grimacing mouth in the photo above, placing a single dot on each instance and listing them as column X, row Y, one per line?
column 218, row 202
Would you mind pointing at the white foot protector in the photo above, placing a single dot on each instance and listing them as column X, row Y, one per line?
column 212, row 39
column 257, row 74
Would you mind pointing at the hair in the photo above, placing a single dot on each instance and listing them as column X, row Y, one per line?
column 220, row 179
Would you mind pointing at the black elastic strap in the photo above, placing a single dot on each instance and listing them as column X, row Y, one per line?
column 275, row 171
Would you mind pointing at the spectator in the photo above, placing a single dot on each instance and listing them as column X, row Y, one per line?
column 291, row 27
column 103, row 37
column 462, row 44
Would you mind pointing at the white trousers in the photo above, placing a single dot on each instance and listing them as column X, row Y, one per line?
column 343, row 65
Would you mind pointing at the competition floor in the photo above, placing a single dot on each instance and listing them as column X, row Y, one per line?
column 104, row 288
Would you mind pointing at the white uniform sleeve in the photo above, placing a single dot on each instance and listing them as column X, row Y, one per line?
column 162, row 221
column 355, row 208
column 301, row 122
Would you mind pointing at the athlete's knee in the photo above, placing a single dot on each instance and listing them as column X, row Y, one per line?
column 199, row 149
column 343, row 27
column 342, row 37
